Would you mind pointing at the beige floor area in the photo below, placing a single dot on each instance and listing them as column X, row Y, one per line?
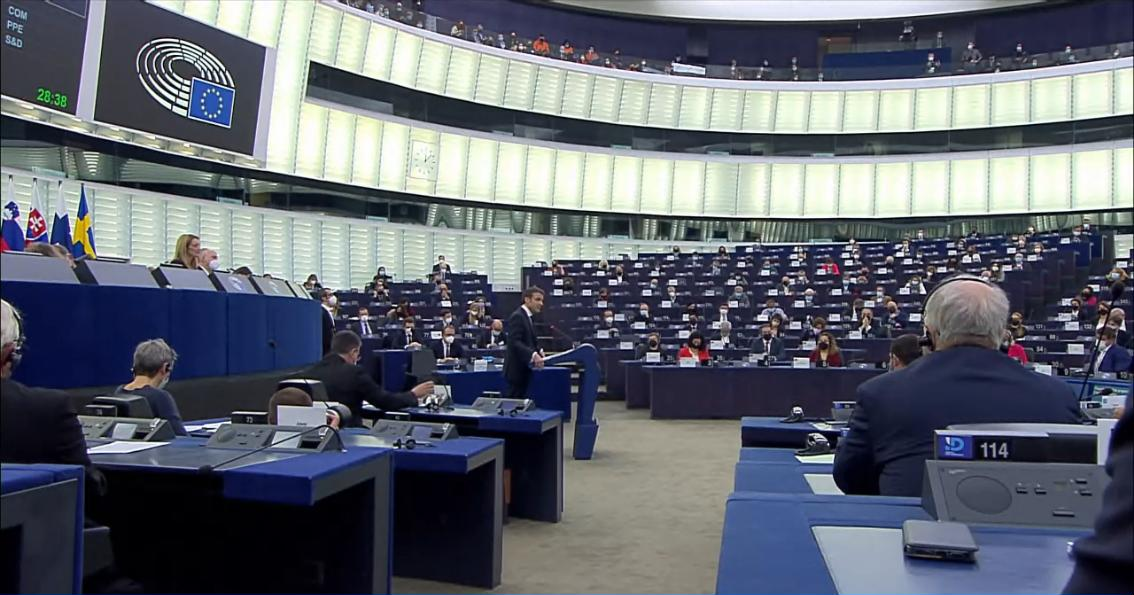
column 643, row 516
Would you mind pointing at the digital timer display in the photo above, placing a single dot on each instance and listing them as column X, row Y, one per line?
column 42, row 51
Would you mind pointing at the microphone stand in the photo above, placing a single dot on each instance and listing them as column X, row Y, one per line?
column 1090, row 366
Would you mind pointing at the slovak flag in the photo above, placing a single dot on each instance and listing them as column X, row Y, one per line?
column 12, row 237
column 37, row 225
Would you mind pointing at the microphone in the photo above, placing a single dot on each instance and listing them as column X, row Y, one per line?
column 564, row 335
column 211, row 468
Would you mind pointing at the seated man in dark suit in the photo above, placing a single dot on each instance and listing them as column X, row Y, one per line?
column 449, row 348
column 349, row 384
column 965, row 380
column 643, row 314
column 408, row 337
column 1104, row 558
column 442, row 267
column 606, row 323
column 727, row 338
column 652, row 345
column 493, row 336
column 1112, row 357
column 365, row 326
column 766, row 343
column 36, row 425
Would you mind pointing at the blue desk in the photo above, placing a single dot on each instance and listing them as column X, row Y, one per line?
column 41, row 508
column 214, row 334
column 448, row 509
column 737, row 391
column 257, row 513
column 533, row 454
column 792, row 543
column 770, row 432
column 550, row 387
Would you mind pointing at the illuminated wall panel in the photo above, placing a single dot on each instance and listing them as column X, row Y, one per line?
column 932, row 108
column 1051, row 99
column 892, row 189
column 376, row 63
column 403, row 67
column 1124, row 91
column 461, row 82
column 596, row 181
column 321, row 48
column 1008, row 181
column 968, row 186
column 720, row 188
column 577, row 89
column 490, row 80
column 860, row 111
column 1091, row 179
column 539, row 178
column 340, row 146
column 688, row 187
column 604, row 98
column 856, row 190
column 929, row 194
column 1051, row 175
column 313, row 130
column 1010, row 103
column 520, row 85
column 433, row 67
column 826, row 112
column 895, row 110
column 1093, row 94
column 480, row 177
column 634, row 102
column 395, row 146
column 452, row 162
column 548, row 90
column 694, row 110
column 568, row 180
column 726, row 108
column 351, row 53
column 657, row 185
column 1123, row 178
column 791, row 111
column 510, row 173
column 820, row 190
column 970, row 106
column 759, row 111
column 786, row 190
column 367, row 147
column 626, row 184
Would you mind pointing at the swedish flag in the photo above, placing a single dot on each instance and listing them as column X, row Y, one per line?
column 84, row 229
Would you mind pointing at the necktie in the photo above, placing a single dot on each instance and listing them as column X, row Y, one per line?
column 767, row 346
column 365, row 327
column 446, row 345
column 409, row 337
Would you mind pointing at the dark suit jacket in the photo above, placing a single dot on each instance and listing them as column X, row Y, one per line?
column 455, row 350
column 1117, row 359
column 328, row 330
column 39, row 426
column 522, row 343
column 891, row 429
column 777, row 347
column 486, row 338
column 375, row 327
column 1103, row 559
column 437, row 268
column 398, row 338
column 351, row 385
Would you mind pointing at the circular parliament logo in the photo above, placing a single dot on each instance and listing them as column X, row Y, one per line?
column 187, row 80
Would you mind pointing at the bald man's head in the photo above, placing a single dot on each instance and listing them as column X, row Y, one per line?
column 966, row 312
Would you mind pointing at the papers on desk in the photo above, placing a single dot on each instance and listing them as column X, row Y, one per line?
column 210, row 427
column 817, row 459
column 123, row 447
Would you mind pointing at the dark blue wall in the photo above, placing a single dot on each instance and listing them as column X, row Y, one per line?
column 1082, row 24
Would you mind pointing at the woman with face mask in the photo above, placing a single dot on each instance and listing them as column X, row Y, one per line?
column 826, row 353
column 695, row 347
column 1089, row 298
column 153, row 364
column 1016, row 325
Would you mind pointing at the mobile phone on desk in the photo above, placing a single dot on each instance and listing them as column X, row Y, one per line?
column 938, row 541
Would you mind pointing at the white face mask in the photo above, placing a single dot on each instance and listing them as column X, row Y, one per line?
column 214, row 265
column 333, row 301
column 609, row 319
column 447, row 319
column 724, row 313
column 449, row 339
column 164, row 382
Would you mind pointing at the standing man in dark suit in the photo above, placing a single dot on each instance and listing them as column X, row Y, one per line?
column 767, row 343
column 965, row 380
column 1104, row 558
column 349, row 384
column 329, row 300
column 36, row 425
column 442, row 268
column 523, row 346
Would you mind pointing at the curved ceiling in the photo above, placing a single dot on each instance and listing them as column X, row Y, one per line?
column 788, row 10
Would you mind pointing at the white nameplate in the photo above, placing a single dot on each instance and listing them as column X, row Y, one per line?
column 1064, row 317
column 1075, row 349
column 868, row 304
column 774, row 292
column 653, row 357
column 683, row 334
column 716, row 344
column 733, row 304
column 434, row 334
column 553, row 292
column 612, row 282
column 795, row 325
column 808, row 344
column 836, row 318
column 600, row 304
column 1010, row 250
column 1064, row 240
column 741, row 264
column 626, row 345
column 800, row 362
column 966, row 260
column 1032, row 258
column 670, row 258
column 687, row 362
column 798, row 304
column 854, row 335
column 1071, row 325
column 603, row 334
column 639, row 265
column 761, row 318
column 903, row 291
column 547, row 273
column 638, row 326
column 765, row 273
column 1043, row 369
column 836, row 292
column 730, row 282
column 672, row 283
column 1065, row 302
column 446, row 304
column 685, row 318
column 666, row 304
column 647, row 293
column 915, row 316
column 587, row 293
column 480, row 365
column 557, row 282
column 907, row 261
column 716, row 324
column 600, row 273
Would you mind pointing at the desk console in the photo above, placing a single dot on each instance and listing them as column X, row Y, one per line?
column 125, row 428
column 1009, row 493
column 394, row 431
column 275, row 438
column 502, row 406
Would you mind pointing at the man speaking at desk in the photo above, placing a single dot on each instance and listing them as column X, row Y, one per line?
column 965, row 380
column 523, row 352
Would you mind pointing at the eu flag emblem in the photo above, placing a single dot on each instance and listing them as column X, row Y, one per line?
column 211, row 103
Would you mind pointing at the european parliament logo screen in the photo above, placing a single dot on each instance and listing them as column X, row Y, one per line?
column 163, row 73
